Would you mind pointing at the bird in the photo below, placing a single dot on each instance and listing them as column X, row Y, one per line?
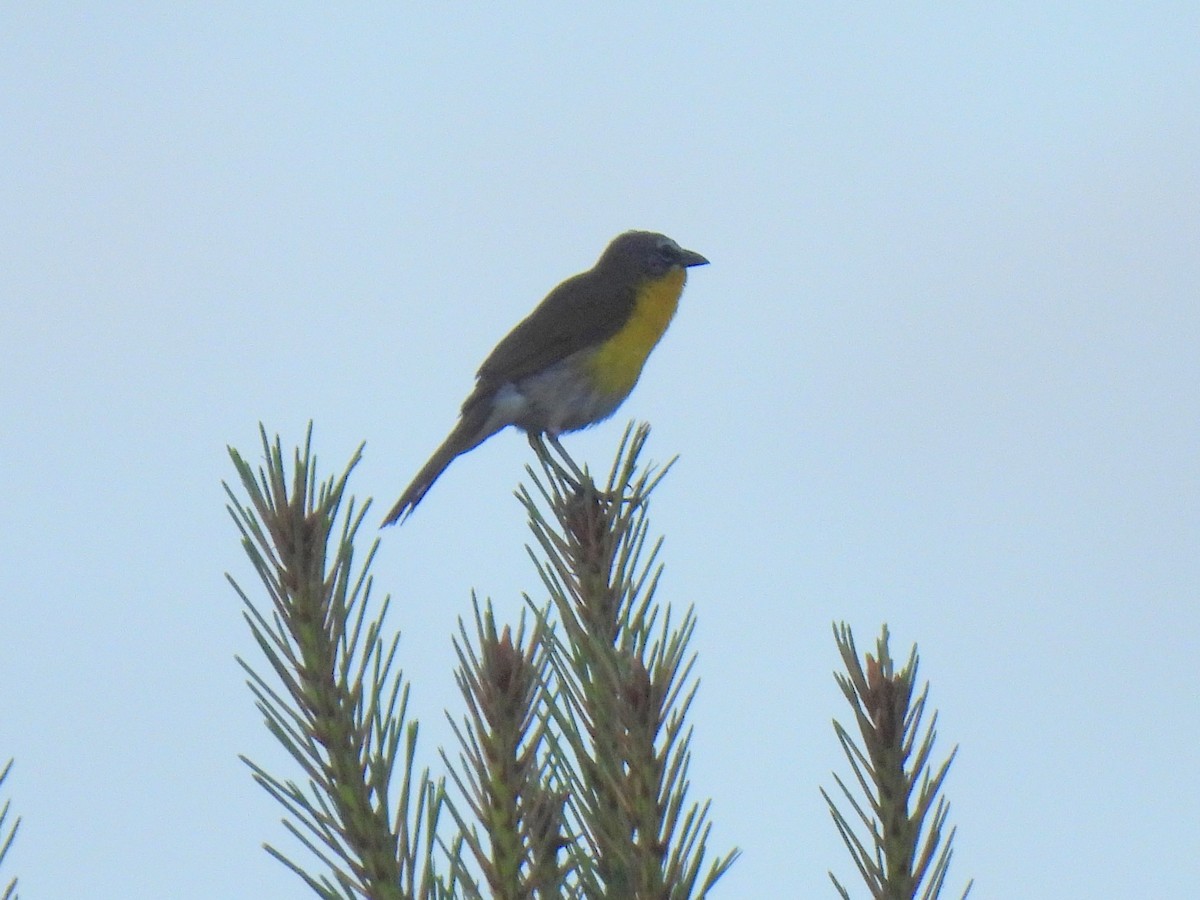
column 573, row 360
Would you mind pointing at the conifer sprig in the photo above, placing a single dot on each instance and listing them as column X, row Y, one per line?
column 332, row 696
column 621, row 684
column 903, row 855
column 502, row 769
column 8, row 834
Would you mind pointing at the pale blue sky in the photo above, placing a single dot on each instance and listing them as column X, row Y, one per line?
column 942, row 372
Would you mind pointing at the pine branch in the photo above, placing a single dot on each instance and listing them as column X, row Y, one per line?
column 619, row 684
column 902, row 855
column 8, row 834
column 501, row 771
column 331, row 694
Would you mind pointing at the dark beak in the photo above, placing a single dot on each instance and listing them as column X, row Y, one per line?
column 691, row 258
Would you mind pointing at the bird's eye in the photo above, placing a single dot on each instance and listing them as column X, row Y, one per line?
column 668, row 252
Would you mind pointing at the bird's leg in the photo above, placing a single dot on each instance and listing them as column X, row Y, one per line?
column 579, row 483
column 537, row 440
column 580, row 477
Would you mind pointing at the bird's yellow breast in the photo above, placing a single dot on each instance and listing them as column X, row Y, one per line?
column 617, row 363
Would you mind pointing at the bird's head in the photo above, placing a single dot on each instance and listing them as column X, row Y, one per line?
column 649, row 253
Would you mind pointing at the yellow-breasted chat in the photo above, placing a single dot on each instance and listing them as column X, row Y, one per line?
column 575, row 358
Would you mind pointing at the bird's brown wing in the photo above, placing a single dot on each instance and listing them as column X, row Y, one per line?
column 583, row 311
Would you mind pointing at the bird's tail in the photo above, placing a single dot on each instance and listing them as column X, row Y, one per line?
column 467, row 434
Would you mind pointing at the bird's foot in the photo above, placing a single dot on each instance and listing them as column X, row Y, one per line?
column 571, row 475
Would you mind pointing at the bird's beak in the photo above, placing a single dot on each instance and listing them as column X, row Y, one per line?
column 691, row 258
